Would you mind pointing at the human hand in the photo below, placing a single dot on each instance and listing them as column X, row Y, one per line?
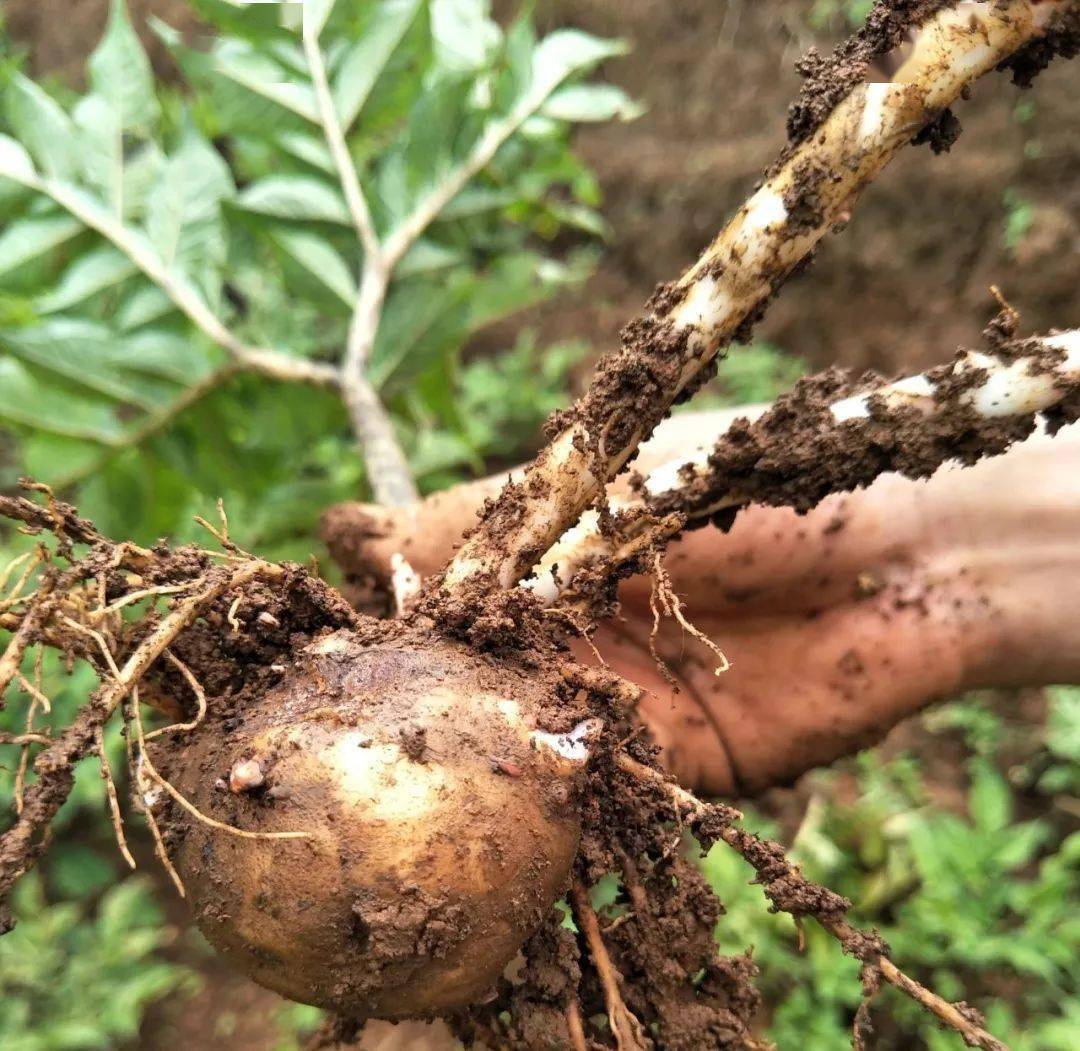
column 838, row 624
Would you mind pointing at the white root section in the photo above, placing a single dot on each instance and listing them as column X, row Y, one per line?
column 758, row 249
column 404, row 582
column 1012, row 386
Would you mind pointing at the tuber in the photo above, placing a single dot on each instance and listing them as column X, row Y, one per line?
column 439, row 824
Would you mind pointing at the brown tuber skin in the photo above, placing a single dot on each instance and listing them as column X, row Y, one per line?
column 439, row 831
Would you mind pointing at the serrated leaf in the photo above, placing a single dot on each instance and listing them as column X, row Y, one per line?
column 42, row 126
column 476, row 200
column 101, row 146
column 421, row 320
column 320, row 260
column 120, row 73
column 15, row 162
column 28, row 239
column 365, row 60
column 95, row 272
column 180, row 356
column 296, row 197
column 143, row 306
column 254, row 71
column 434, row 132
column 425, row 256
column 27, row 399
column 310, row 149
column 144, row 167
column 91, row 356
column 516, row 282
column 245, row 19
column 591, row 102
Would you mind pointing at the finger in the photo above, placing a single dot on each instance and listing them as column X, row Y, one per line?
column 801, row 691
column 362, row 537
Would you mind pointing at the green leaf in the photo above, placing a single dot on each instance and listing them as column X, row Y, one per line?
column 476, row 200
column 425, row 256
column 28, row 239
column 515, row 282
column 315, row 14
column 101, row 144
column 1063, row 722
column 256, row 72
column 183, row 219
column 320, row 260
column 422, row 320
column 434, row 134
column 569, row 51
column 258, row 22
column 120, row 73
column 464, row 34
column 91, row 274
column 297, row 197
column 591, row 102
column 365, row 60
column 146, row 304
column 15, row 162
column 27, row 399
column 310, row 149
column 91, row 356
column 43, row 127
column 990, row 798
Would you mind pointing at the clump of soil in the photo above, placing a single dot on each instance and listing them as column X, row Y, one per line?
column 796, row 454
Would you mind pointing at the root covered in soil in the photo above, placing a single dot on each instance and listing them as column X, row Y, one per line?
column 847, row 127
column 374, row 817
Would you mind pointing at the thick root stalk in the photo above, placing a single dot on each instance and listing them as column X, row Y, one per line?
column 809, row 191
column 818, row 441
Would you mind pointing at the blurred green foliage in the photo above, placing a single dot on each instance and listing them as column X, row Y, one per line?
column 228, row 184
column 74, row 979
column 823, row 13
column 980, row 904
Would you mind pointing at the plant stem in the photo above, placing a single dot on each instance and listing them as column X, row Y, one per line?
column 268, row 362
column 387, row 466
column 339, row 149
column 1017, row 380
column 809, row 191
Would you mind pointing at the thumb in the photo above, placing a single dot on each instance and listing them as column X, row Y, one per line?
column 363, row 537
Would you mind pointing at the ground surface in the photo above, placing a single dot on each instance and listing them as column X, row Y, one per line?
column 903, row 286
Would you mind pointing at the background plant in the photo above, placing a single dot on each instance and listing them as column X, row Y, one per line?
column 181, row 269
